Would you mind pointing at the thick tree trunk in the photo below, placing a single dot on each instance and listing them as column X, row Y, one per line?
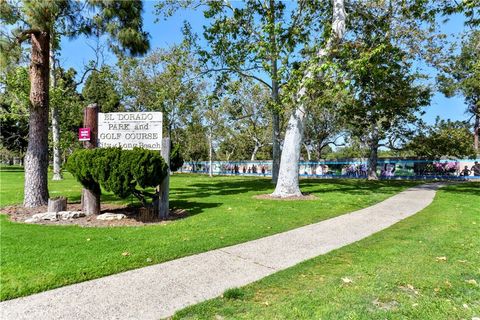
column 36, row 157
column 287, row 184
column 372, row 161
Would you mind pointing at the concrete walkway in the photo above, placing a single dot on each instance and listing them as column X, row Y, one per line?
column 158, row 291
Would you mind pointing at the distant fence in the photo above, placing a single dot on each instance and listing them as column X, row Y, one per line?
column 354, row 168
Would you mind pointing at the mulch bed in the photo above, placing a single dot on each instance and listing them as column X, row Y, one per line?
column 270, row 197
column 134, row 217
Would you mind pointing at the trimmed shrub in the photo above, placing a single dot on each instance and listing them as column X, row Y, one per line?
column 119, row 171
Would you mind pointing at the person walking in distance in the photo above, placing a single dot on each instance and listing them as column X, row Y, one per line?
column 476, row 169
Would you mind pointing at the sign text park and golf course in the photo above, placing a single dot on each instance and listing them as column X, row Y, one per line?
column 130, row 129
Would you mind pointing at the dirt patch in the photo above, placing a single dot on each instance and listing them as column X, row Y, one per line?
column 134, row 216
column 385, row 305
column 270, row 197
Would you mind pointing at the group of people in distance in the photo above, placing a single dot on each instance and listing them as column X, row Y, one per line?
column 475, row 169
column 314, row 170
column 354, row 170
column 255, row 169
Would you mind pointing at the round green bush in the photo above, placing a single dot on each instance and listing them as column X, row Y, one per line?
column 119, row 171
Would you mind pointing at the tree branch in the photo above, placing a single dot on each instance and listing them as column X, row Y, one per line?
column 85, row 74
column 25, row 34
column 240, row 72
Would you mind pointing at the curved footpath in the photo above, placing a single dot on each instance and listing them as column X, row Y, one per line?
column 158, row 291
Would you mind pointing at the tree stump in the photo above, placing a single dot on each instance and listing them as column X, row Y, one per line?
column 57, row 204
column 148, row 214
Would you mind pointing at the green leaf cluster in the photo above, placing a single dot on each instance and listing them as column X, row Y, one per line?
column 176, row 157
column 118, row 171
column 101, row 88
column 444, row 139
column 13, row 109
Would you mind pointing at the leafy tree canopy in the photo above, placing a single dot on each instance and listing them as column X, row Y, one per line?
column 121, row 20
column 101, row 88
column 15, row 87
column 443, row 139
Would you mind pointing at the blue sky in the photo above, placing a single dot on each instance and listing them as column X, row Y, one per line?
column 77, row 53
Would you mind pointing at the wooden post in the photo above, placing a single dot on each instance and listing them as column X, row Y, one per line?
column 90, row 120
column 163, row 205
column 91, row 197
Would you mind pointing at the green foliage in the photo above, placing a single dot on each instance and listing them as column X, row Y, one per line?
column 256, row 40
column 194, row 141
column 386, row 93
column 166, row 80
column 101, row 88
column 353, row 149
column 444, row 139
column 469, row 8
column 118, row 171
column 81, row 165
column 248, row 128
column 176, row 158
column 461, row 75
column 13, row 109
column 122, row 20
column 69, row 104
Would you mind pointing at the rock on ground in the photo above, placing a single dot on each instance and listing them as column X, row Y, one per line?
column 111, row 216
column 55, row 216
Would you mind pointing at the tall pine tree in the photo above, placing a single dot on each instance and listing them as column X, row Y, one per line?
column 34, row 22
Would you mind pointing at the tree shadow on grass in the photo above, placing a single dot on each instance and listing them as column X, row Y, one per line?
column 179, row 209
column 11, row 169
column 193, row 207
column 224, row 188
column 352, row 186
column 235, row 187
column 470, row 188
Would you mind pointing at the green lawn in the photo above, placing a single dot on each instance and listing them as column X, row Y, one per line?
column 222, row 212
column 424, row 267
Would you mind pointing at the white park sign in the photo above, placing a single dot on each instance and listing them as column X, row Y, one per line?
column 130, row 129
